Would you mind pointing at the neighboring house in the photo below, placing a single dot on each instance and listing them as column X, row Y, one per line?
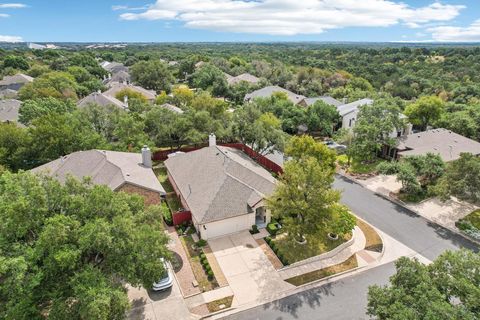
column 9, row 111
column 171, row 107
column 222, row 187
column 247, row 77
column 116, row 87
column 307, row 102
column 15, row 82
column 113, row 67
column 349, row 112
column 199, row 64
column 120, row 171
column 102, row 100
column 8, row 94
column 121, row 76
column 449, row 145
column 270, row 90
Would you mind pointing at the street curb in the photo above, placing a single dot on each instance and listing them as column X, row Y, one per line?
column 402, row 204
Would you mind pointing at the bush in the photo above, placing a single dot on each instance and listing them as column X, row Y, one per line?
column 202, row 256
column 388, row 168
column 268, row 240
column 167, row 214
column 210, row 275
column 201, row 243
column 342, row 160
column 272, row 228
column 463, row 225
column 254, row 229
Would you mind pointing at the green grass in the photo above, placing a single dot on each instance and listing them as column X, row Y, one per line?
column 413, row 198
column 174, row 203
column 373, row 240
column 364, row 168
column 292, row 252
column 349, row 264
column 214, row 306
column 161, row 173
column 474, row 218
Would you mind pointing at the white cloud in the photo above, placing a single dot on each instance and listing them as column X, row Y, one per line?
column 4, row 15
column 10, row 39
column 122, row 7
column 456, row 34
column 290, row 17
column 12, row 5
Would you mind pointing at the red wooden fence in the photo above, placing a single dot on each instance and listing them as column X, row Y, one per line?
column 181, row 216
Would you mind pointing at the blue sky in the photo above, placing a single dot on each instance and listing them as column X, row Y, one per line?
column 239, row 20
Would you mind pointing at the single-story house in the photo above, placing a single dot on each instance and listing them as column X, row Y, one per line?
column 306, row 102
column 113, row 67
column 9, row 111
column 222, row 187
column 116, row 87
column 102, row 100
column 171, row 107
column 8, row 94
column 247, row 77
column 270, row 90
column 121, row 76
column 15, row 82
column 120, row 171
column 448, row 144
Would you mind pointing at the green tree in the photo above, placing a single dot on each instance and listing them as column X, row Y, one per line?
column 67, row 250
column 129, row 132
column 13, row 142
column 60, row 85
column 209, row 77
column 152, row 75
column 167, row 128
column 299, row 147
column 425, row 111
column 322, row 118
column 33, row 109
column 15, row 62
column 446, row 289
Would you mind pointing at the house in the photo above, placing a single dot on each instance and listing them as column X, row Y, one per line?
column 15, row 82
column 222, row 187
column 116, row 87
column 247, row 77
column 121, row 76
column 349, row 112
column 270, row 90
column 9, row 111
column 113, row 67
column 448, row 144
column 102, row 100
column 307, row 102
column 120, row 171
column 8, row 94
column 172, row 108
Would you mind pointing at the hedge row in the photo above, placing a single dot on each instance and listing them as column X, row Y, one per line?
column 206, row 266
column 274, row 248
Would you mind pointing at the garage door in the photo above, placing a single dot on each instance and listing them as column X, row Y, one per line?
column 227, row 226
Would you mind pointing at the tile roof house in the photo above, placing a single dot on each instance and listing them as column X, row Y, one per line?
column 15, row 82
column 270, row 90
column 223, row 189
column 115, row 87
column 448, row 144
column 102, row 100
column 327, row 99
column 9, row 111
column 120, row 171
column 247, row 77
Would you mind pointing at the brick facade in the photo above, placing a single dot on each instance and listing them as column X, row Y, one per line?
column 150, row 197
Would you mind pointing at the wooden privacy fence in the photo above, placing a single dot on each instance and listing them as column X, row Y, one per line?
column 180, row 217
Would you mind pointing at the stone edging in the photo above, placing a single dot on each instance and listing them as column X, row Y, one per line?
column 322, row 256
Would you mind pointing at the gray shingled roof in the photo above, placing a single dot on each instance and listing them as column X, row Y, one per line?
column 171, row 107
column 8, row 94
column 268, row 91
column 352, row 106
column 219, row 182
column 110, row 168
column 100, row 99
column 327, row 99
column 121, row 76
column 247, row 77
column 9, row 110
column 18, row 78
column 443, row 142
column 115, row 87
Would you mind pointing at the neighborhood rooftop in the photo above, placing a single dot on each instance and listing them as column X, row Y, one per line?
column 327, row 99
column 219, row 182
column 353, row 106
column 110, row 168
column 449, row 145
column 100, row 99
column 116, row 87
column 268, row 91
column 18, row 78
column 9, row 110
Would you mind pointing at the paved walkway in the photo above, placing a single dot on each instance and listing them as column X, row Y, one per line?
column 358, row 245
column 276, row 263
column 217, row 271
column 185, row 276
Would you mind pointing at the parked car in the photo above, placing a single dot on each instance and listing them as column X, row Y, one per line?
column 340, row 148
column 166, row 282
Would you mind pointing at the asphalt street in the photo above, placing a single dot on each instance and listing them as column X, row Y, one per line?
column 347, row 298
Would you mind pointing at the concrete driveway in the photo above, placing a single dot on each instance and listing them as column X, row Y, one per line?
column 248, row 271
column 151, row 305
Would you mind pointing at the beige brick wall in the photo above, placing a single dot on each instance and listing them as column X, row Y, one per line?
column 149, row 196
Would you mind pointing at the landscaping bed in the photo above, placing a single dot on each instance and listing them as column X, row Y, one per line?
column 470, row 224
column 204, row 276
column 361, row 168
column 349, row 264
column 174, row 203
column 161, row 173
column 289, row 251
column 373, row 239
column 214, row 306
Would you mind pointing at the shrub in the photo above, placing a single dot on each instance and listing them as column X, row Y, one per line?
column 202, row 256
column 201, row 243
column 208, row 268
column 272, row 228
column 268, row 240
column 342, row 160
column 254, row 229
column 210, row 275
column 388, row 168
column 463, row 225
column 167, row 214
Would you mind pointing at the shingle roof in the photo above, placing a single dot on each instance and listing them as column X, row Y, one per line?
column 115, row 87
column 219, row 182
column 100, row 99
column 110, row 168
column 268, row 91
column 327, row 99
column 9, row 110
column 247, row 77
column 121, row 76
column 18, row 78
column 171, row 108
column 352, row 106
column 443, row 142
column 8, row 94
column 113, row 67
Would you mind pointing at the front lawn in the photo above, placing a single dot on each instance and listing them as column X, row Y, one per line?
column 358, row 167
column 349, row 264
column 289, row 251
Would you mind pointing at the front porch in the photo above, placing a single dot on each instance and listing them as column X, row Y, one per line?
column 261, row 217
